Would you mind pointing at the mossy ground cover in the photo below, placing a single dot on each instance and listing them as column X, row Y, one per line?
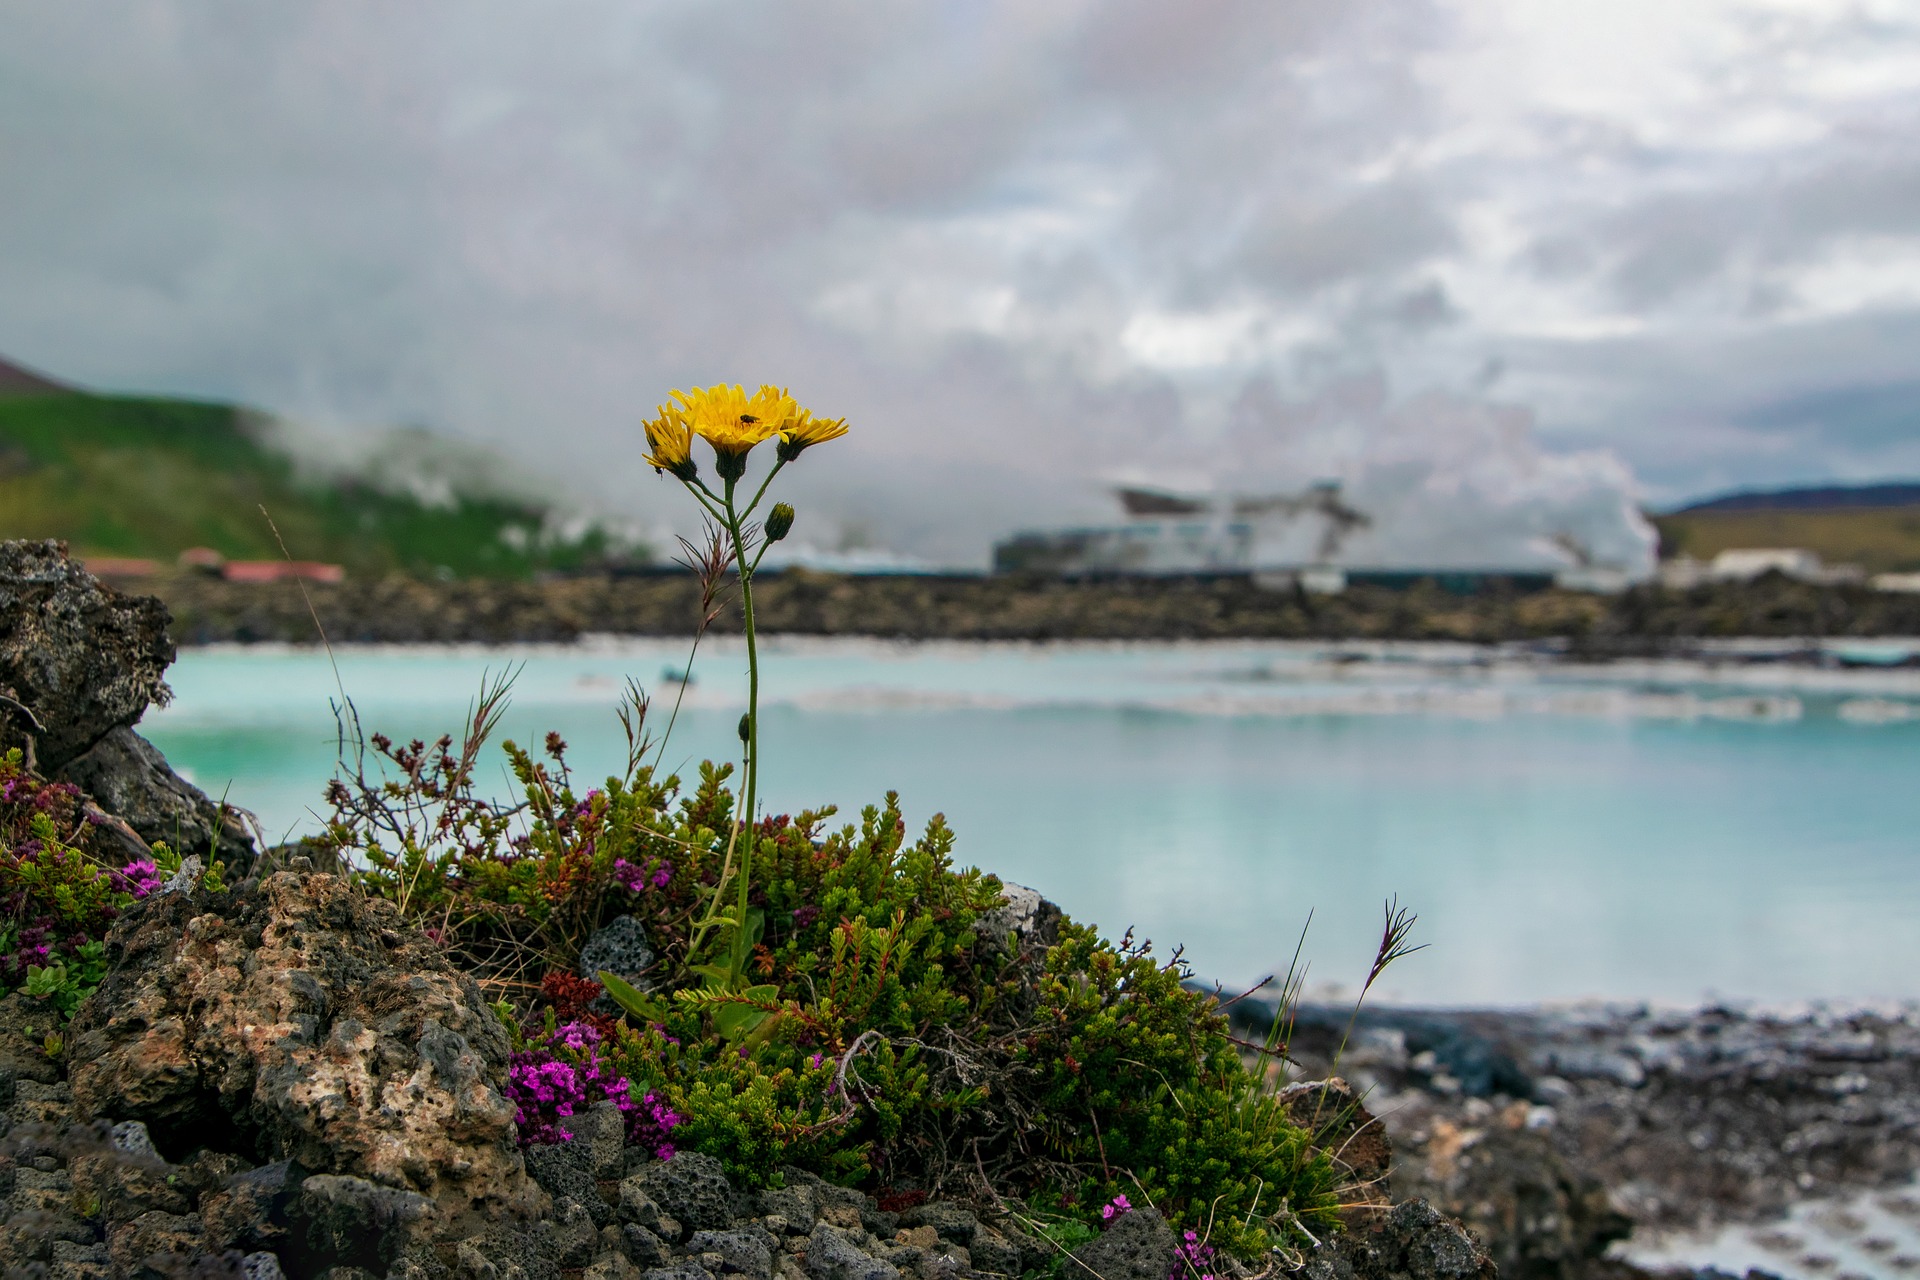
column 140, row 477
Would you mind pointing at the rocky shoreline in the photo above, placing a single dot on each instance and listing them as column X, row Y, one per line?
column 1647, row 620
column 1555, row 1132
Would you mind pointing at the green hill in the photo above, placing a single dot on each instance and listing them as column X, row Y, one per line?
column 126, row 476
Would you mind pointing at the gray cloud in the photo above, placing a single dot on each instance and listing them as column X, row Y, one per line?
column 1024, row 246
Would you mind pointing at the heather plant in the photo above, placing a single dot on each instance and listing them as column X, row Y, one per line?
column 57, row 900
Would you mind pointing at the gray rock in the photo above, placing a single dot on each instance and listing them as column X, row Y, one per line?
column 644, row 1247
column 133, row 1245
column 603, row 1131
column 353, row 995
column 347, row 1221
column 620, row 947
column 1416, row 1242
column 250, row 1210
column 994, row 1252
column 128, row 777
column 187, row 878
column 950, row 1221
column 566, row 1169
column 1596, row 1064
column 82, row 658
column 130, row 1137
column 745, row 1253
column 575, row 1235
column 1023, row 921
column 832, row 1255
column 1135, row 1246
column 262, row 1266
column 613, row 1266
column 692, row 1188
column 679, row 1271
column 794, row 1203
column 636, row 1206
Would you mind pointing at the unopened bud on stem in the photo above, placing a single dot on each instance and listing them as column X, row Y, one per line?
column 779, row 521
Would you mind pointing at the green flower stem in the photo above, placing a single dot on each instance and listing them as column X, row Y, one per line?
column 739, row 965
column 733, row 518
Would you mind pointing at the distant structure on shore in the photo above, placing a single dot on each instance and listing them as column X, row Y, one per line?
column 1279, row 539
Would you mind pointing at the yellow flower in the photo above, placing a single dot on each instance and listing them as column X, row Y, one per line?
column 806, row 431
column 671, row 439
column 732, row 421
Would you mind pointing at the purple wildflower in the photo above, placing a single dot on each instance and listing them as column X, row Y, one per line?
column 547, row 1090
column 1115, row 1207
column 138, row 878
column 1192, row 1259
column 635, row 879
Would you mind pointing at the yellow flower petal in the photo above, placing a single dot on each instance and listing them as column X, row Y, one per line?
column 733, row 422
column 806, row 431
column 670, row 437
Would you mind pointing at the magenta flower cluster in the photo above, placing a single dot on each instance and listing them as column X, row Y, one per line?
column 138, row 878
column 635, row 879
column 1192, row 1259
column 1115, row 1207
column 550, row 1085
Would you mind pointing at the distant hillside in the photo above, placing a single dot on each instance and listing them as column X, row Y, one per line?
column 1880, row 539
column 1832, row 497
column 17, row 381
column 124, row 476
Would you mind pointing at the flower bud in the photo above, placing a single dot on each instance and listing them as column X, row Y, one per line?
column 779, row 521
column 746, row 727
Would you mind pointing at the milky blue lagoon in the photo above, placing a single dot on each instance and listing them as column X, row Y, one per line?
column 1660, row 831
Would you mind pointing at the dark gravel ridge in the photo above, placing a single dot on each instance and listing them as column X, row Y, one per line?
column 1648, row 620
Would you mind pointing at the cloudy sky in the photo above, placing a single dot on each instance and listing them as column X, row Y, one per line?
column 1531, row 260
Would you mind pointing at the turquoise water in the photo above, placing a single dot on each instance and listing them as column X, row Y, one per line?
column 1663, row 832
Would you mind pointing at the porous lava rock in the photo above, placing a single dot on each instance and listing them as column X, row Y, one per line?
column 1414, row 1242
column 128, row 778
column 80, row 663
column 1138, row 1246
column 294, row 1019
column 80, row 657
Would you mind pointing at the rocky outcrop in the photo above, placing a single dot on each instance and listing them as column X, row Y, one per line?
column 1543, row 1218
column 80, row 663
column 77, row 659
column 128, row 778
column 1414, row 1242
column 295, row 1020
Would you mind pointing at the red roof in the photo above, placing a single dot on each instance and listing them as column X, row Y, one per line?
column 280, row 571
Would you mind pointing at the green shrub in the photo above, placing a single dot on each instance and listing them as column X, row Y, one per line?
column 879, row 1038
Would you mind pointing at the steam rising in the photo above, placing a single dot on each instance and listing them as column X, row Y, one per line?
column 1445, row 480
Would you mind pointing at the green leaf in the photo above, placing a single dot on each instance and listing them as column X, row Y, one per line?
column 631, row 998
column 740, row 1017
